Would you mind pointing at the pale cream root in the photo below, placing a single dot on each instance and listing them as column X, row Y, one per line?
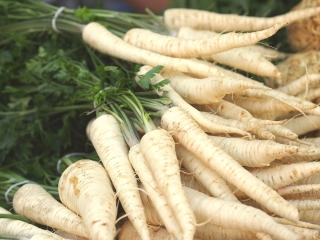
column 235, row 215
column 35, row 203
column 155, row 194
column 284, row 175
column 302, row 124
column 176, row 18
column 86, row 189
column 209, row 178
column 206, row 90
column 254, row 153
column 189, row 48
column 184, row 129
column 158, row 149
column 188, row 180
column 98, row 37
column 108, row 141
column 177, row 100
column 20, row 228
column 301, row 84
column 250, row 58
column 156, row 233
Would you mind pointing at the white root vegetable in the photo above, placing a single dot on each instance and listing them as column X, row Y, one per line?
column 269, row 52
column 153, row 215
column 228, row 72
column 304, row 232
column 69, row 236
column 177, row 100
column 263, row 236
column 295, row 66
column 249, row 201
column 157, row 197
column 310, row 95
column 305, row 204
column 235, row 215
column 189, row 48
column 205, row 90
column 98, row 37
column 213, row 232
column 295, row 159
column 209, row 178
column 187, row 133
column 189, row 180
column 158, row 149
column 315, row 111
column 35, row 203
column 312, row 216
column 203, row 231
column 298, row 224
column 176, row 18
column 282, row 131
column 314, row 179
column 281, row 176
column 127, row 231
column 310, row 152
column 85, row 188
column 299, row 190
column 259, row 105
column 254, row 153
column 301, row 84
column 244, row 58
column 246, row 126
column 42, row 236
column 232, row 111
column 302, row 124
column 296, row 103
column 17, row 227
column 315, row 141
column 313, row 149
column 107, row 139
column 209, row 230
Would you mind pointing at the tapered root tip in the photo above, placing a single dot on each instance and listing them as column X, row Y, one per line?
column 277, row 74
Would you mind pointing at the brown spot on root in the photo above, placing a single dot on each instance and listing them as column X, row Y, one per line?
column 74, row 181
column 295, row 173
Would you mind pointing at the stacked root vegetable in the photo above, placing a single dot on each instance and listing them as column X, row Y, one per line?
column 230, row 158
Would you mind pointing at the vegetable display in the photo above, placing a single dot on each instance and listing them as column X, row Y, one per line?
column 141, row 126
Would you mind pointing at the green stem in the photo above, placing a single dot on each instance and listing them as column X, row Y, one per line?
column 128, row 130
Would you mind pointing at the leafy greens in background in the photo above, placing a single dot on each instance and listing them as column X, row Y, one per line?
column 40, row 110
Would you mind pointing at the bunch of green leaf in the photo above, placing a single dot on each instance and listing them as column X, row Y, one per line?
column 47, row 89
column 30, row 16
column 134, row 108
column 44, row 93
